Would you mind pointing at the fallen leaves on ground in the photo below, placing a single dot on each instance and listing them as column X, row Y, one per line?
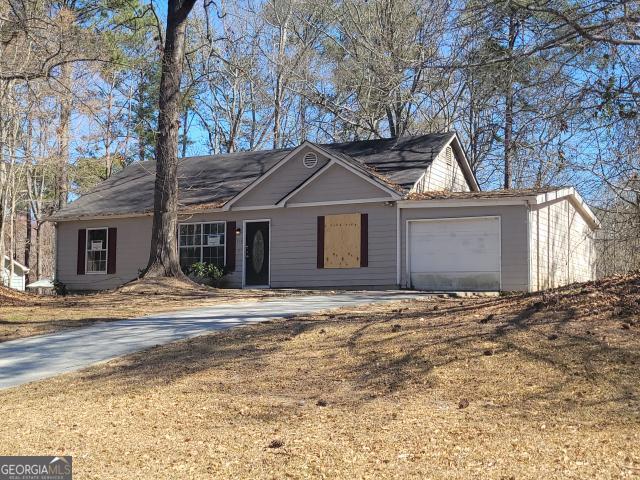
column 346, row 395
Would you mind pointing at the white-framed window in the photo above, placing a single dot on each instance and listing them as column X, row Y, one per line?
column 201, row 242
column 97, row 254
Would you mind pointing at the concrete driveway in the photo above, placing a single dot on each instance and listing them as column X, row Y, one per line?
column 44, row 356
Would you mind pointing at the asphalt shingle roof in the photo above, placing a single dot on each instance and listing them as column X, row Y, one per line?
column 215, row 179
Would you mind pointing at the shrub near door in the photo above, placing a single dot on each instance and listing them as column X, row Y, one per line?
column 207, row 273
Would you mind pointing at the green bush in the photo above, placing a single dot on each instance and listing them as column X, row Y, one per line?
column 60, row 288
column 213, row 273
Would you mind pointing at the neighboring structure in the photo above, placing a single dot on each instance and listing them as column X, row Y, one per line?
column 17, row 281
column 42, row 284
column 382, row 213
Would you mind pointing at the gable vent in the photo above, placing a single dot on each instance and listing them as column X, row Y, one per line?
column 449, row 156
column 310, row 160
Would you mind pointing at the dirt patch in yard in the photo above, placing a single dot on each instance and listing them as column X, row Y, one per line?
column 24, row 314
column 529, row 386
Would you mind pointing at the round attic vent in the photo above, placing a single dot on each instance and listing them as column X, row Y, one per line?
column 310, row 160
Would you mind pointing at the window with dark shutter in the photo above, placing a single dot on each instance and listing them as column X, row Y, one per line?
column 364, row 240
column 230, row 260
column 320, row 242
column 82, row 245
column 112, row 240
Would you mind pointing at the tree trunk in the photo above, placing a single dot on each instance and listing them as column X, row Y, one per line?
column 28, row 242
column 302, row 119
column 508, row 133
column 12, row 235
column 29, row 215
column 278, row 94
column 38, row 250
column 163, row 258
column 185, row 139
column 392, row 125
column 508, row 114
column 64, row 135
column 139, row 117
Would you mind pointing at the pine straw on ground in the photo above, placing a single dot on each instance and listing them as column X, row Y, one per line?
column 25, row 314
column 10, row 296
column 539, row 386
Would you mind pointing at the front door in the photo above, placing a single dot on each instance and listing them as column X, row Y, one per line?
column 256, row 254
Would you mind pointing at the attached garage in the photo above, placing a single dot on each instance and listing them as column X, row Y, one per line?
column 496, row 241
column 454, row 253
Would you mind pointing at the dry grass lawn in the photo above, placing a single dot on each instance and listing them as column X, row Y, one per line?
column 25, row 315
column 540, row 386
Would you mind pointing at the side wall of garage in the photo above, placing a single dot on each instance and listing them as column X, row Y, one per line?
column 513, row 238
column 562, row 249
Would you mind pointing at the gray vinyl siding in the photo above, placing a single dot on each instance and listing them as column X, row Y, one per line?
column 293, row 248
column 562, row 250
column 337, row 183
column 293, row 253
column 442, row 177
column 132, row 252
column 513, row 235
column 282, row 181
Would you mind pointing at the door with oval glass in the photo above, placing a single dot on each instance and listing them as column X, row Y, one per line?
column 256, row 253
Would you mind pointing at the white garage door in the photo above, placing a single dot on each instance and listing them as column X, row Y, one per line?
column 455, row 254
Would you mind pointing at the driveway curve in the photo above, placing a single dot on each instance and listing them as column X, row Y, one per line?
column 34, row 358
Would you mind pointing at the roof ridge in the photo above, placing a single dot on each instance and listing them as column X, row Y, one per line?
column 394, row 162
column 320, row 145
column 237, row 153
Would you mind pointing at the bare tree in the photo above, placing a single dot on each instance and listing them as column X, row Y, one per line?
column 616, row 22
column 163, row 258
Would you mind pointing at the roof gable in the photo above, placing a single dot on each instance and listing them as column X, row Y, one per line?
column 291, row 173
column 446, row 173
column 336, row 182
column 269, row 188
column 401, row 160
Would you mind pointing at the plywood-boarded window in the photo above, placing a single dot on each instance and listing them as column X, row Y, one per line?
column 342, row 240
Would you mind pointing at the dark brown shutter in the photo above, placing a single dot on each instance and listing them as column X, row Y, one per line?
column 364, row 240
column 112, row 243
column 230, row 240
column 320, row 252
column 82, row 249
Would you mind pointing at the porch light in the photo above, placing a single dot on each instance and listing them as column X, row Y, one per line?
column 238, row 231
